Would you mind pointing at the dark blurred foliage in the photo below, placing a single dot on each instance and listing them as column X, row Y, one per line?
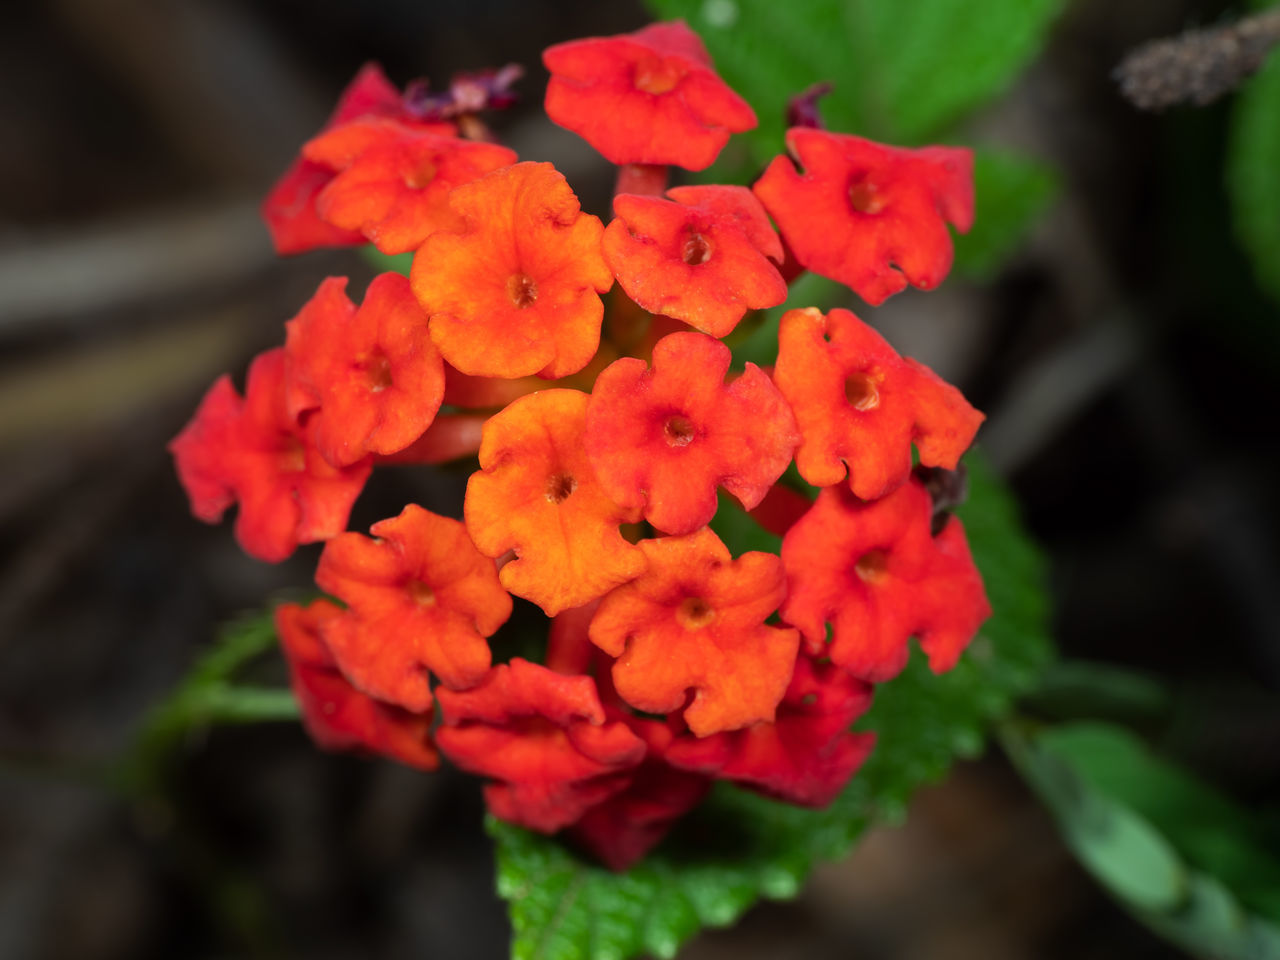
column 139, row 135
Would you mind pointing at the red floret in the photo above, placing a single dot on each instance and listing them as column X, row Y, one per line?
column 419, row 597
column 622, row 829
column 289, row 209
column 870, row 216
column 701, row 257
column 649, row 97
column 874, row 572
column 252, row 452
column 393, row 180
column 374, row 373
column 858, row 403
column 544, row 738
column 665, row 438
column 336, row 714
column 806, row 756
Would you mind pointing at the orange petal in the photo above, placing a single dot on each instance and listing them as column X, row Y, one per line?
column 536, row 494
column 374, row 373
column 695, row 620
column 420, row 597
column 858, row 403
column 517, row 293
column 395, row 179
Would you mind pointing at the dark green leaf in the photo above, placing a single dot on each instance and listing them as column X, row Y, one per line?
column 1253, row 173
column 564, row 907
column 1112, row 798
column 1211, row 832
column 903, row 72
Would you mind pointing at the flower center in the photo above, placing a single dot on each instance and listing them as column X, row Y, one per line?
column 872, row 566
column 860, row 390
column 293, row 455
column 678, row 431
column 694, row 613
column 657, row 75
column 865, row 197
column 420, row 175
column 378, row 371
column 696, row 250
column 560, row 486
column 522, row 290
column 421, row 594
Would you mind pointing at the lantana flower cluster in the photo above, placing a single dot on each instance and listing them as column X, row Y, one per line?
column 582, row 368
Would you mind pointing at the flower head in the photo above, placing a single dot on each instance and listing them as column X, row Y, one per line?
column 536, row 494
column 860, row 404
column 701, row 257
column 254, row 453
column 518, row 291
column 649, row 97
column 419, row 597
column 665, row 438
column 695, row 621
column 393, row 180
column 870, row 216
column 877, row 575
column 336, row 714
column 373, row 373
column 544, row 738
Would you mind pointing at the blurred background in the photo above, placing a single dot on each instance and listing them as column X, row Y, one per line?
column 1121, row 346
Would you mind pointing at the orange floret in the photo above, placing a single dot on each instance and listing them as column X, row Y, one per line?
column 518, row 292
column 859, row 403
column 695, row 620
column 420, row 597
column 701, row 257
column 544, row 738
column 870, row 216
column 806, row 756
column 374, row 373
column 874, row 572
column 649, row 97
column 664, row 438
column 336, row 714
column 289, row 209
column 536, row 494
column 252, row 452
column 394, row 180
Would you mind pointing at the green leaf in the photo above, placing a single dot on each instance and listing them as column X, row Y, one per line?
column 904, row 72
column 1011, row 192
column 1253, row 173
column 1113, row 800
column 1212, row 832
column 564, row 907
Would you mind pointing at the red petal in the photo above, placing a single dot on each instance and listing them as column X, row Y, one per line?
column 870, row 216
column 874, row 573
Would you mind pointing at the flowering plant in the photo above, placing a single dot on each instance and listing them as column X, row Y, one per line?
column 620, row 451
